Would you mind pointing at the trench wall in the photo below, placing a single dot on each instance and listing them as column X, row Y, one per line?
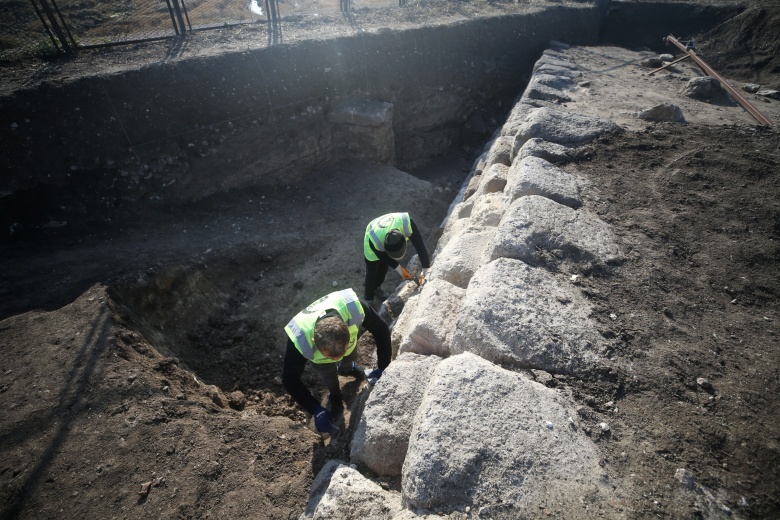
column 178, row 131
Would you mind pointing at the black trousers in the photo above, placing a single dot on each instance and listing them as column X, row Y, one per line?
column 375, row 277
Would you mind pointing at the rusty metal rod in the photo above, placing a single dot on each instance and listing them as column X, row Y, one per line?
column 667, row 65
column 710, row 72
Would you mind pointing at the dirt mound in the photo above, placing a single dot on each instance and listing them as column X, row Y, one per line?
column 746, row 46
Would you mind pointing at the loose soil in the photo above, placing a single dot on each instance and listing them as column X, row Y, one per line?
column 142, row 346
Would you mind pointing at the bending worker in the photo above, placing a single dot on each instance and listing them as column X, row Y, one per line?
column 326, row 333
column 384, row 245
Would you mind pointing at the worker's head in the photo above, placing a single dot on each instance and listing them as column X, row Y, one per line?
column 395, row 244
column 331, row 337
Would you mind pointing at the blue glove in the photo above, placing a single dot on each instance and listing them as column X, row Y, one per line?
column 374, row 376
column 322, row 421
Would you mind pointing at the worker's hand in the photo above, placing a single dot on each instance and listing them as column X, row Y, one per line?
column 322, row 421
column 406, row 275
column 373, row 376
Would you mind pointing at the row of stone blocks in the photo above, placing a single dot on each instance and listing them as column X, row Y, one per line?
column 455, row 415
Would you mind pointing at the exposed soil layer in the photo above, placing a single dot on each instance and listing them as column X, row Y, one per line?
column 142, row 346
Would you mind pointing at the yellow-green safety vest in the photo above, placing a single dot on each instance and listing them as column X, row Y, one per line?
column 301, row 328
column 378, row 228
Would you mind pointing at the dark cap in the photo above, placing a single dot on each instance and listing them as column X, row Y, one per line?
column 395, row 244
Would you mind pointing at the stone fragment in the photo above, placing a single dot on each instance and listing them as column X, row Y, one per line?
column 664, row 112
column 774, row 94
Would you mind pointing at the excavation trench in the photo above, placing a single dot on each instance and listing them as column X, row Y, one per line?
column 292, row 233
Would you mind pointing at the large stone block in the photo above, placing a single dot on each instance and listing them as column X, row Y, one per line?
column 561, row 127
column 522, row 316
column 462, row 256
column 552, row 152
column 340, row 491
column 488, row 210
column 493, row 180
column 535, row 176
column 426, row 326
column 536, row 229
column 494, row 441
column 382, row 435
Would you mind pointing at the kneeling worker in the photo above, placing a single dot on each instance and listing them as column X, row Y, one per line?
column 384, row 245
column 326, row 333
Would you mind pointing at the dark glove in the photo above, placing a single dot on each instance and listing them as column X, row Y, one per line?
column 374, row 376
column 322, row 421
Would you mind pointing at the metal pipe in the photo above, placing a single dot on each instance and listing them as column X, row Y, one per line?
column 710, row 72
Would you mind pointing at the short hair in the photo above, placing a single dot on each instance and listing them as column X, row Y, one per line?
column 331, row 336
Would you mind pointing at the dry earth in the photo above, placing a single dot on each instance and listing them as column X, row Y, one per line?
column 144, row 346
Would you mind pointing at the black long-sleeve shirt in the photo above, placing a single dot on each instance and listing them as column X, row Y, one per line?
column 417, row 242
column 295, row 363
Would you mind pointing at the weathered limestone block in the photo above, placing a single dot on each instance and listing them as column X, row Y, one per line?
column 492, row 180
column 521, row 315
column 488, row 209
column 535, row 176
column 500, row 151
column 574, row 239
column 451, row 229
column 382, row 435
column 426, row 327
column 493, row 440
column 561, row 127
column 552, row 152
column 340, row 491
column 462, row 256
column 516, row 118
column 545, row 93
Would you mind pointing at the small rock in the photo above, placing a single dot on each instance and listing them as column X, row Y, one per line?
column 751, row 88
column 278, row 381
column 145, row 487
column 666, row 57
column 237, row 400
column 664, row 112
column 702, row 382
column 774, row 94
column 604, row 427
column 704, row 88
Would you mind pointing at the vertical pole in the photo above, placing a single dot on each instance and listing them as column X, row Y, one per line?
column 46, row 8
column 45, row 25
column 179, row 17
